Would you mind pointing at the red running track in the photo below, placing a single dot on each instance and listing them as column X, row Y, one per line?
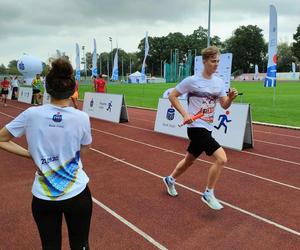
column 259, row 188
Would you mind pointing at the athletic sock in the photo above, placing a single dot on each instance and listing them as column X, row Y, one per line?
column 209, row 191
column 171, row 179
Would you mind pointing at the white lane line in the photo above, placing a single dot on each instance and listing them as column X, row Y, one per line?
column 278, row 144
column 270, row 157
column 245, row 152
column 181, row 154
column 171, row 151
column 271, row 133
column 7, row 115
column 200, row 193
column 255, row 130
column 130, row 225
column 149, row 130
column 127, row 223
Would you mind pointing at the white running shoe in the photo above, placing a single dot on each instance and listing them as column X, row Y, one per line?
column 170, row 184
column 211, row 201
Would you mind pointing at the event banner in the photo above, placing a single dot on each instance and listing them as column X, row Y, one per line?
column 77, row 60
column 10, row 92
column 46, row 98
column 223, row 70
column 270, row 80
column 115, row 70
column 94, row 59
column 143, row 78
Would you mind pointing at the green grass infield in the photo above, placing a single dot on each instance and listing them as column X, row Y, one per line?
column 280, row 105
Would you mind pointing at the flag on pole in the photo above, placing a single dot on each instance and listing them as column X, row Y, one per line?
column 293, row 70
column 270, row 80
column 115, row 71
column 94, row 60
column 256, row 72
column 77, row 62
column 145, row 56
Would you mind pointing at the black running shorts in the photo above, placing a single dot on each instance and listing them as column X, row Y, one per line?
column 201, row 140
column 4, row 91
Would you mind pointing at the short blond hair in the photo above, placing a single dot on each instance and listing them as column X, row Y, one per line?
column 209, row 52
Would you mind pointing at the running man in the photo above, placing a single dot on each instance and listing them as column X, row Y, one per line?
column 5, row 85
column 203, row 91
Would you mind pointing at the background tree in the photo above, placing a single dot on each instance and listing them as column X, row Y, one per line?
column 285, row 58
column 248, row 48
column 3, row 69
column 162, row 47
column 12, row 68
column 296, row 45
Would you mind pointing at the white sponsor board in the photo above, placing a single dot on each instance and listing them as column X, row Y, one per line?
column 25, row 94
column 46, row 98
column 233, row 126
column 168, row 118
column 223, row 70
column 109, row 107
column 9, row 96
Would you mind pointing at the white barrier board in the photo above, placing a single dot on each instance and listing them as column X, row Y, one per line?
column 233, row 126
column 25, row 94
column 109, row 107
column 168, row 118
column 9, row 96
column 46, row 98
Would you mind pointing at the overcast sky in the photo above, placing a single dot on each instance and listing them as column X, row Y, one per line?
column 39, row 28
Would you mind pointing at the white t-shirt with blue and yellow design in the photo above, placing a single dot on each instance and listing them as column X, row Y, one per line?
column 54, row 136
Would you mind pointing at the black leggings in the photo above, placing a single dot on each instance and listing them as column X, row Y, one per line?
column 77, row 212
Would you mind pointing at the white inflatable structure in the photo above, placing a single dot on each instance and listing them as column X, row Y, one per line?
column 29, row 66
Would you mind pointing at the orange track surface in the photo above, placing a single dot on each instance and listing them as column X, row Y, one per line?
column 259, row 188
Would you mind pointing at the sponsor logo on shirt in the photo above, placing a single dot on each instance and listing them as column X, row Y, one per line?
column 47, row 160
column 57, row 117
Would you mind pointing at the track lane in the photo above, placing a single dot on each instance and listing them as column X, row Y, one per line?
column 196, row 184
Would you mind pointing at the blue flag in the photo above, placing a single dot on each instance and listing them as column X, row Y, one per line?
column 115, row 72
column 94, row 60
column 77, row 61
column 270, row 80
column 143, row 77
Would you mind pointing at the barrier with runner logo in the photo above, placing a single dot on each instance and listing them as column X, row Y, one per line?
column 25, row 94
column 110, row 107
column 232, row 127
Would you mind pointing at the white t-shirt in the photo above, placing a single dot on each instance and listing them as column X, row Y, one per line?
column 202, row 95
column 54, row 136
column 14, row 83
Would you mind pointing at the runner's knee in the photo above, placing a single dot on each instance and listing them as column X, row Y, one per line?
column 221, row 161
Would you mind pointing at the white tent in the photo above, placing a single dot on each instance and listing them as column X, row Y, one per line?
column 135, row 77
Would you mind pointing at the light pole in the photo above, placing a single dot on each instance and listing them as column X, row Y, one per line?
column 112, row 63
column 208, row 30
column 122, row 70
column 108, row 59
column 100, row 70
column 130, row 66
